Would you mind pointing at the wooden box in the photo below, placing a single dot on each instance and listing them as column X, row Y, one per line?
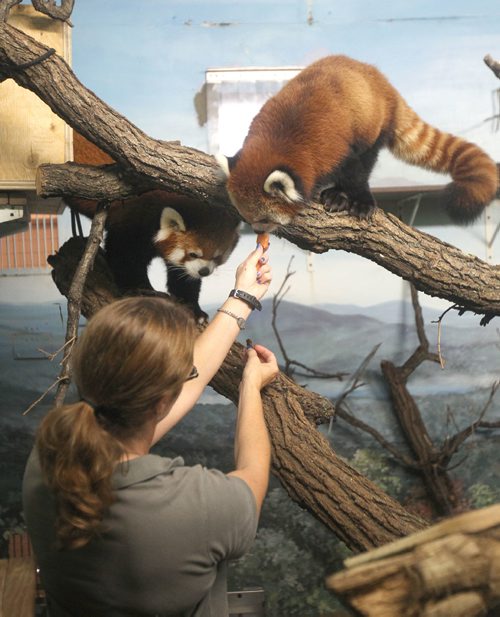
column 30, row 133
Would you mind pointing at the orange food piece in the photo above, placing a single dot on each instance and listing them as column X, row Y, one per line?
column 263, row 240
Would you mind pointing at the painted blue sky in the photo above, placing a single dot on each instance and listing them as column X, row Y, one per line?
column 148, row 60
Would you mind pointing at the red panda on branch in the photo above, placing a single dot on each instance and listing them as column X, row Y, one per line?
column 191, row 237
column 319, row 137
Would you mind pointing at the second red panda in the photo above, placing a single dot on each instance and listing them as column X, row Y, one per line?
column 191, row 237
column 319, row 138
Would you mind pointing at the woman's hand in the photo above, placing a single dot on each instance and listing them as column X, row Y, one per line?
column 261, row 367
column 254, row 274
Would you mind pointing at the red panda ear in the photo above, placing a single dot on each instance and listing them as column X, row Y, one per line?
column 223, row 163
column 170, row 221
column 226, row 163
column 280, row 183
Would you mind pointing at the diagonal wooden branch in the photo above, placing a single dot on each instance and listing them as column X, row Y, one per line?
column 75, row 295
column 434, row 267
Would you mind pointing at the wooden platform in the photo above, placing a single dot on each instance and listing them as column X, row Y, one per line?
column 18, row 579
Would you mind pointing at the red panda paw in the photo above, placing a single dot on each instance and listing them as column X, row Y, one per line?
column 334, row 200
column 363, row 211
column 362, row 205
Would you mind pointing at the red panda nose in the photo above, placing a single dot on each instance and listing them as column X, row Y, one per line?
column 204, row 271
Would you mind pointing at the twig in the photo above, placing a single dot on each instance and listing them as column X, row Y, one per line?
column 277, row 299
column 51, row 356
column 40, row 398
column 421, row 353
column 489, row 424
column 354, row 382
column 347, row 416
column 75, row 295
column 439, row 323
column 450, row 446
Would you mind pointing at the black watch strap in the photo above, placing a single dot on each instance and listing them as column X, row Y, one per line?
column 252, row 301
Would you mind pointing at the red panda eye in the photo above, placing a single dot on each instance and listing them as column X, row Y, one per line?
column 193, row 255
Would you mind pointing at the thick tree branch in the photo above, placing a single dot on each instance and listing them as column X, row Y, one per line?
column 354, row 508
column 434, row 267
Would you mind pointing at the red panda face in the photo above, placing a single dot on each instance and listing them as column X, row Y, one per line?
column 266, row 201
column 197, row 250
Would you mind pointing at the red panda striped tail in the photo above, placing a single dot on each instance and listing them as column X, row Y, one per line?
column 474, row 173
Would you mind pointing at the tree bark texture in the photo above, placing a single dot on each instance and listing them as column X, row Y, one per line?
column 448, row 570
column 434, row 267
column 354, row 508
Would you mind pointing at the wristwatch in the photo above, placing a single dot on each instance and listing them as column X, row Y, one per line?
column 252, row 301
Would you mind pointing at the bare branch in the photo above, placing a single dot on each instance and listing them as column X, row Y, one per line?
column 51, row 356
column 40, row 398
column 421, row 353
column 5, row 6
column 49, row 7
column 310, row 372
column 357, row 375
column 440, row 323
column 343, row 413
column 451, row 446
column 493, row 425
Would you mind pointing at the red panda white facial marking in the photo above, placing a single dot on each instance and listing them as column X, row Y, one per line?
column 180, row 247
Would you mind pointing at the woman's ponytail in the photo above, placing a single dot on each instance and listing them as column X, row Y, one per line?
column 77, row 458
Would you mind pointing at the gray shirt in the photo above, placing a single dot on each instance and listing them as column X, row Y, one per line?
column 163, row 549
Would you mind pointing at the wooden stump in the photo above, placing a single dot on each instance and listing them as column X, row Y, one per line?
column 449, row 570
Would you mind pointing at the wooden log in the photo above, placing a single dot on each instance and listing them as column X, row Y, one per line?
column 18, row 583
column 448, row 570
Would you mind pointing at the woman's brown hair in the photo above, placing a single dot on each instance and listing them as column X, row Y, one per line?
column 132, row 354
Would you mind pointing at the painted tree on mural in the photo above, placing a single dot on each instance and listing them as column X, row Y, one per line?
column 355, row 509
